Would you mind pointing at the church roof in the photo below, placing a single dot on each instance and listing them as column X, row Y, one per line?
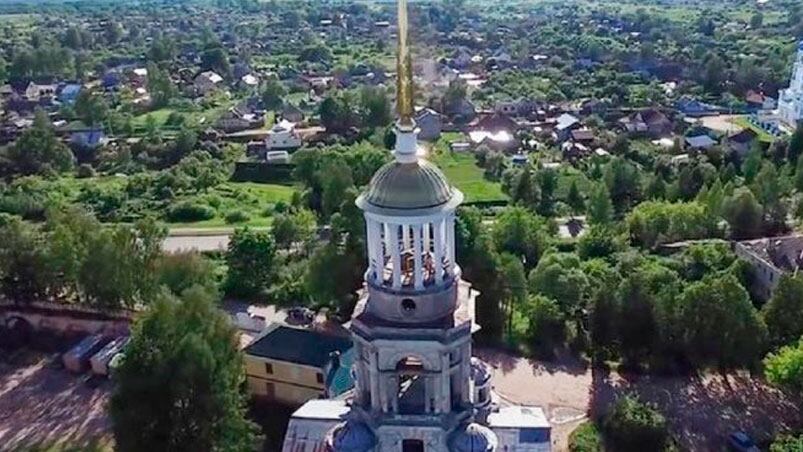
column 416, row 185
column 474, row 438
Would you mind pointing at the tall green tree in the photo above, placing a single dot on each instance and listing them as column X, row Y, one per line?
column 783, row 313
column 160, row 87
column 521, row 233
column 91, row 107
column 37, row 151
column 179, row 386
column 718, row 324
column 600, row 207
column 250, row 258
column 273, row 95
column 744, row 214
column 375, row 107
column 784, row 368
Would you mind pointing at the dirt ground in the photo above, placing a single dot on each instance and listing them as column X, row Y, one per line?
column 43, row 404
column 701, row 410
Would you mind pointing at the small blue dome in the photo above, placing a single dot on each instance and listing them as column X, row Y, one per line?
column 474, row 438
column 800, row 46
column 351, row 436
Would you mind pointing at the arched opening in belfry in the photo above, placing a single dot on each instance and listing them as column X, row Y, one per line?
column 412, row 396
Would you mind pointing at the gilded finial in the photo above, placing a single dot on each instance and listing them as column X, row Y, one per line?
column 404, row 66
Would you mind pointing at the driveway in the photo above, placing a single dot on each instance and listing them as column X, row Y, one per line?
column 700, row 410
column 42, row 404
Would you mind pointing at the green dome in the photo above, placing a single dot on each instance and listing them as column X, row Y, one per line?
column 417, row 185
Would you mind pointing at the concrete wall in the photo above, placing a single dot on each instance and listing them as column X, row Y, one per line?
column 65, row 319
column 765, row 275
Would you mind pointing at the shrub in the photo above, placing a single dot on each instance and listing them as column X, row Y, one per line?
column 237, row 216
column 585, row 438
column 635, row 426
column 188, row 211
column 84, row 171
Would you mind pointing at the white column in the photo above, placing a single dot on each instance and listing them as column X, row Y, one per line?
column 378, row 253
column 405, row 236
column 437, row 255
column 395, row 256
column 393, row 392
column 450, row 242
column 371, row 239
column 418, row 277
column 446, row 396
column 427, row 393
column 374, row 377
column 427, row 237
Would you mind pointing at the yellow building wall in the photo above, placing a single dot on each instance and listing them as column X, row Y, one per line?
column 292, row 383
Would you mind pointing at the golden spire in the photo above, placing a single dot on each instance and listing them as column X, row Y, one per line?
column 404, row 69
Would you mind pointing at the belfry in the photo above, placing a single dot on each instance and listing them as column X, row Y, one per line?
column 417, row 387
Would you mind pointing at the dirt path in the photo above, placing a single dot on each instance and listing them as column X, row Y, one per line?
column 701, row 410
column 41, row 404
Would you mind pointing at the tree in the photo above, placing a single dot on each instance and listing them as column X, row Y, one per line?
column 375, row 107
column 756, row 20
column 558, row 276
column 273, row 94
column 718, row 325
column 600, row 208
column 179, row 386
column 216, row 59
column 179, row 272
column 546, row 326
column 787, row 443
column 250, row 259
column 783, row 313
column 520, row 233
column 38, row 150
column 515, row 286
column 784, row 368
column 634, row 426
column 336, row 114
column 744, row 214
column 160, row 86
column 575, row 199
column 521, row 186
column 795, row 150
column 26, row 272
column 599, row 242
column 3, row 70
column 297, row 227
column 91, row 108
column 770, row 189
column 624, row 183
column 119, row 270
column 547, row 182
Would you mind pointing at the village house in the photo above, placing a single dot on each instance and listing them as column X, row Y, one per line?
column 429, row 123
column 293, row 365
column 291, row 113
column 564, row 125
column 699, row 142
column 742, row 142
column 35, row 92
column 69, row 93
column 283, row 137
column 206, row 82
column 648, row 122
column 770, row 258
column 759, row 101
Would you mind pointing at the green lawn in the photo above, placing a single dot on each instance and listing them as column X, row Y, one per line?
column 463, row 172
column 742, row 121
column 253, row 199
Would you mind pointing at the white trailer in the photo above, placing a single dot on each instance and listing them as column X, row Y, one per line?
column 77, row 358
column 100, row 360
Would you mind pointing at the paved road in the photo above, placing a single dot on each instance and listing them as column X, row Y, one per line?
column 176, row 243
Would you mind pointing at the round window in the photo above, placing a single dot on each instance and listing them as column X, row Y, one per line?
column 408, row 305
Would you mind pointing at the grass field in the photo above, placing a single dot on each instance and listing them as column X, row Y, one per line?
column 253, row 199
column 742, row 121
column 463, row 172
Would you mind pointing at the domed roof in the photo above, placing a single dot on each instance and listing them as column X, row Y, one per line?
column 415, row 185
column 474, row 438
column 351, row 436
